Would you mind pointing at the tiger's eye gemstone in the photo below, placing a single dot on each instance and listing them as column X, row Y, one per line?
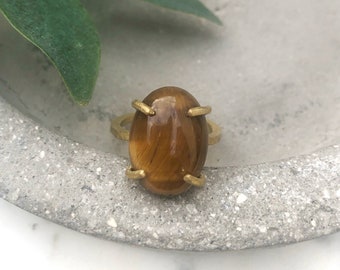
column 169, row 144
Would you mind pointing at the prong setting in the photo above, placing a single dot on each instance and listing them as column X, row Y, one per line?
column 147, row 158
column 197, row 111
column 195, row 181
column 143, row 108
column 135, row 174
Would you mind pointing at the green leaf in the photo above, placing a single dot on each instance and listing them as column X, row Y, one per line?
column 194, row 7
column 63, row 31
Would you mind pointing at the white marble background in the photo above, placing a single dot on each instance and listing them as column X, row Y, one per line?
column 29, row 242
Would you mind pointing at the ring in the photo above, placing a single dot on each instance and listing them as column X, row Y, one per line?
column 168, row 140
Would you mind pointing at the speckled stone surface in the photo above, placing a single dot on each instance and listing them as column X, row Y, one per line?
column 244, row 207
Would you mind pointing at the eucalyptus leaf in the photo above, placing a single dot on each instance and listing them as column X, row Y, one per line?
column 194, row 7
column 63, row 30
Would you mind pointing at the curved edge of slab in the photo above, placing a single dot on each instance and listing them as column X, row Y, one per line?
column 240, row 207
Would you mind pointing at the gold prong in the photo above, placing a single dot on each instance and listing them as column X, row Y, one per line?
column 215, row 132
column 142, row 107
column 197, row 111
column 134, row 174
column 195, row 181
column 118, row 128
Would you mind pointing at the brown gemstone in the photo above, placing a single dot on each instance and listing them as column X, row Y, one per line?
column 170, row 144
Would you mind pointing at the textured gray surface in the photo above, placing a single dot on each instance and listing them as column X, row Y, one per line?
column 84, row 189
column 271, row 75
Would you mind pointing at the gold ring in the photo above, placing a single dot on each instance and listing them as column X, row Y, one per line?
column 168, row 140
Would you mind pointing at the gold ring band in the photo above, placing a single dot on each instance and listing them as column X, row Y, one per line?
column 119, row 130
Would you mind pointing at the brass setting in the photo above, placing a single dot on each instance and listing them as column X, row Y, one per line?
column 148, row 159
column 195, row 181
column 134, row 174
column 142, row 107
column 119, row 130
column 197, row 111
